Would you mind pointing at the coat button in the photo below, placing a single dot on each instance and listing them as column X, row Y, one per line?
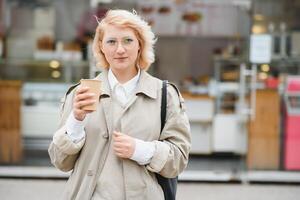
column 105, row 135
column 90, row 172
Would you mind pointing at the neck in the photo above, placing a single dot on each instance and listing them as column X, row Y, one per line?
column 125, row 75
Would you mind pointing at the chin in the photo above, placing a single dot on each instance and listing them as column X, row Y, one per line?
column 121, row 66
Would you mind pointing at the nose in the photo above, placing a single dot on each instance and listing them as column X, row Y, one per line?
column 120, row 48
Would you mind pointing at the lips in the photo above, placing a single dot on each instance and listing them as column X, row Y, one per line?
column 121, row 58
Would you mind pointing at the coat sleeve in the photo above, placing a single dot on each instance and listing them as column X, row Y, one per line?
column 63, row 151
column 172, row 150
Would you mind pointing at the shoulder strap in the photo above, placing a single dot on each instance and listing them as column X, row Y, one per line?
column 72, row 88
column 163, row 108
column 178, row 93
column 66, row 94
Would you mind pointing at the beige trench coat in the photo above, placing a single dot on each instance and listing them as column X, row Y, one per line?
column 140, row 119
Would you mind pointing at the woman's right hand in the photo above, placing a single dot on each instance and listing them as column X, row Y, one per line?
column 82, row 98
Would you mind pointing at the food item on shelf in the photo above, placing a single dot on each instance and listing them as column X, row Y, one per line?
column 45, row 43
column 230, row 76
column 178, row 2
column 192, row 16
column 71, row 46
column 147, row 9
column 164, row 10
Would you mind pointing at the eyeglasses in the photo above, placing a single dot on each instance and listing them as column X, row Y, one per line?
column 126, row 42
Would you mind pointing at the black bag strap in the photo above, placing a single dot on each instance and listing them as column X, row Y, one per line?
column 163, row 110
column 168, row 185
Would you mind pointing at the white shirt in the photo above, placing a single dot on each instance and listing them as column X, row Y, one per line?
column 75, row 129
column 124, row 91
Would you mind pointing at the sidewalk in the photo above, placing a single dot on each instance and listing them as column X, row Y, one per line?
column 188, row 175
column 37, row 189
column 203, row 179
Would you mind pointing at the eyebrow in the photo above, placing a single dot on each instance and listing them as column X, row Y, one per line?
column 109, row 38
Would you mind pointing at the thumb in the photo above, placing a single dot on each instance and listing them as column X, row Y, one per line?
column 116, row 133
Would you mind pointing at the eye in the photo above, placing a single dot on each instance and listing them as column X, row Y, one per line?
column 128, row 40
column 111, row 42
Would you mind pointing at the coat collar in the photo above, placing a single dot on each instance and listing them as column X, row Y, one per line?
column 129, row 86
column 147, row 84
column 105, row 88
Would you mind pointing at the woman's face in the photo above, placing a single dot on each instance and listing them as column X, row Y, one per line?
column 120, row 47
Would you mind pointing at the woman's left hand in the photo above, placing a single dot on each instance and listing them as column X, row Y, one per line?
column 124, row 145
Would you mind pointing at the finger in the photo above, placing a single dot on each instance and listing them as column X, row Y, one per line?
column 117, row 133
column 82, row 90
column 80, row 104
column 120, row 136
column 118, row 149
column 79, row 112
column 84, row 96
column 120, row 155
column 124, row 148
column 114, row 136
column 118, row 144
column 119, row 139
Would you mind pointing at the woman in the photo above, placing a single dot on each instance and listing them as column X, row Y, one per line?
column 115, row 151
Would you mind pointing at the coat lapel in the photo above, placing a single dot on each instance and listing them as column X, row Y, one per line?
column 147, row 86
column 106, row 100
column 107, row 109
column 118, row 124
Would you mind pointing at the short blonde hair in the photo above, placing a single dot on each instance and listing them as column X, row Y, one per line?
column 141, row 28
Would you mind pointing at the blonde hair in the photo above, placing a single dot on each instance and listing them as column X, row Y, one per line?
column 141, row 28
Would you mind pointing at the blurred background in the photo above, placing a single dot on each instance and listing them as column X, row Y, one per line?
column 236, row 62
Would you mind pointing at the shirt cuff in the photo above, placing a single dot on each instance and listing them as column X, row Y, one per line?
column 143, row 152
column 75, row 128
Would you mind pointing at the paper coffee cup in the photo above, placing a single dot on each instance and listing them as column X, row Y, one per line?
column 94, row 87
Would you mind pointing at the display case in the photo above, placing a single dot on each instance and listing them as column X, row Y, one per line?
column 44, row 83
column 232, row 88
column 40, row 112
column 227, row 76
column 43, row 71
column 200, row 110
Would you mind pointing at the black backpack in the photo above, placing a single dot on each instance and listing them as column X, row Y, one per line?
column 168, row 185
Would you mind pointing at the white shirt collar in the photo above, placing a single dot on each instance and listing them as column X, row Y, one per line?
column 129, row 86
